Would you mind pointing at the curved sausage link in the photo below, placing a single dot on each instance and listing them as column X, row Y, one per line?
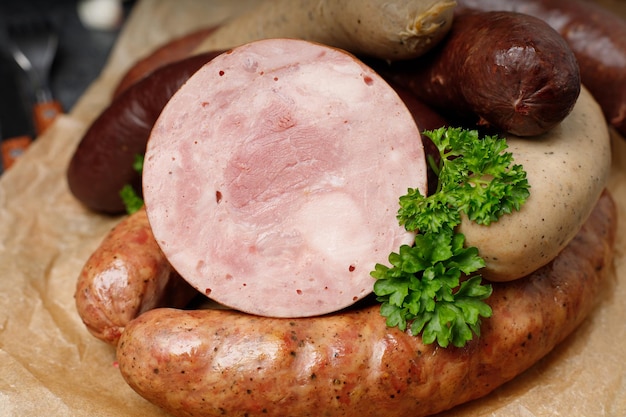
column 175, row 50
column 597, row 37
column 102, row 164
column 224, row 363
column 504, row 70
column 126, row 276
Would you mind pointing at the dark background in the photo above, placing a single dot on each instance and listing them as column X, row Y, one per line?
column 81, row 54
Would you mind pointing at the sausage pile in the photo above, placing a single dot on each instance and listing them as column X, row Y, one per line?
column 297, row 133
column 216, row 362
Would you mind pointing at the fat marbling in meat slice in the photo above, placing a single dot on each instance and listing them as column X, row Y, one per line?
column 272, row 178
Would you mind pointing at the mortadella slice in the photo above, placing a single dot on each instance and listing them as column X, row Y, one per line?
column 272, row 177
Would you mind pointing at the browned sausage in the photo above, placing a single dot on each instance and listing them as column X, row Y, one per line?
column 103, row 161
column 506, row 70
column 174, row 50
column 225, row 363
column 126, row 276
column 597, row 37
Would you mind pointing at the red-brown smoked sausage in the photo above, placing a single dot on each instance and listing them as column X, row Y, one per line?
column 596, row 36
column 206, row 363
column 174, row 50
column 102, row 164
column 107, row 312
column 506, row 70
column 126, row 276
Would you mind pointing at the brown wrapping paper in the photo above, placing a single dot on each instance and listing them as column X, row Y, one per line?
column 50, row 365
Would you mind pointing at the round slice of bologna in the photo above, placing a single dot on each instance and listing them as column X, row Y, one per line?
column 272, row 178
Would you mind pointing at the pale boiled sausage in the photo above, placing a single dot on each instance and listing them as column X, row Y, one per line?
column 272, row 178
column 387, row 29
column 568, row 168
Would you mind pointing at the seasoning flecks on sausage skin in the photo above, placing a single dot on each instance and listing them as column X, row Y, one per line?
column 222, row 362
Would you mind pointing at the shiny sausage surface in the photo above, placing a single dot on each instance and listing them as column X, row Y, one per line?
column 102, row 164
column 175, row 50
column 504, row 70
column 596, row 36
column 125, row 276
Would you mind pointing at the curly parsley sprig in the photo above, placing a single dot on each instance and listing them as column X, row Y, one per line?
column 429, row 285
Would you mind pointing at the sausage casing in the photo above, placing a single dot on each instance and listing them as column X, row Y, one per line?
column 125, row 276
column 596, row 36
column 505, row 70
column 102, row 164
column 175, row 50
column 221, row 362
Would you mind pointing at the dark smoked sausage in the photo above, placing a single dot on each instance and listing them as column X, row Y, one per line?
column 126, row 276
column 103, row 161
column 596, row 36
column 225, row 363
column 504, row 70
column 174, row 50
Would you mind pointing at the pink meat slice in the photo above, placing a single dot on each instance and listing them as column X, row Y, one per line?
column 272, row 178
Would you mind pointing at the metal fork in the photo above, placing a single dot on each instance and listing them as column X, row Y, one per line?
column 33, row 45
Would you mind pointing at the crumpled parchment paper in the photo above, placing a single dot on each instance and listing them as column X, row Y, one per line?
column 50, row 365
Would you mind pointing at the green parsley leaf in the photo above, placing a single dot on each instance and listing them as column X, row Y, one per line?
column 138, row 163
column 429, row 287
column 132, row 201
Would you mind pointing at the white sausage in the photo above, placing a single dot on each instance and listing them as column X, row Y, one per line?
column 272, row 178
column 568, row 168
